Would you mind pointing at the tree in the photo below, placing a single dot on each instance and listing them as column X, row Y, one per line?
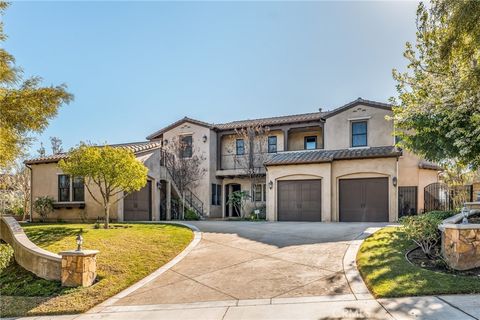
column 43, row 206
column 237, row 200
column 56, row 145
column 25, row 105
column 109, row 173
column 255, row 138
column 184, row 164
column 41, row 150
column 437, row 110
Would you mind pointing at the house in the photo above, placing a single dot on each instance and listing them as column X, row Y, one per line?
column 338, row 165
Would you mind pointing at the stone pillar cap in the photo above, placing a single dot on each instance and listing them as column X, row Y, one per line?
column 78, row 253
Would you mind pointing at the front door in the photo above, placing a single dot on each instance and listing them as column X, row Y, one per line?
column 230, row 210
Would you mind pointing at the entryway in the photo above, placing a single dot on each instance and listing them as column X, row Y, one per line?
column 230, row 210
column 137, row 206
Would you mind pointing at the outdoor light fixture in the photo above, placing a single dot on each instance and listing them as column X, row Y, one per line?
column 79, row 242
column 204, row 138
column 394, row 180
column 465, row 212
column 270, row 185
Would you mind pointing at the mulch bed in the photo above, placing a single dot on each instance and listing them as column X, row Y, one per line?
column 419, row 259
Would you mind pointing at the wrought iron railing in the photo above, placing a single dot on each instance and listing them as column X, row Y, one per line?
column 243, row 162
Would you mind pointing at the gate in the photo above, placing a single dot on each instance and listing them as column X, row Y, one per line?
column 439, row 196
column 407, row 201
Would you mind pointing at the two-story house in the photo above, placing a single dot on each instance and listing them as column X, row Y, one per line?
column 338, row 165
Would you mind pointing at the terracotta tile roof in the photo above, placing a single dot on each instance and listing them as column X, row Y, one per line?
column 424, row 164
column 304, row 117
column 319, row 156
column 156, row 134
column 135, row 147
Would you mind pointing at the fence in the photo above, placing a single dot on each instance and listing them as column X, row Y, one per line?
column 439, row 196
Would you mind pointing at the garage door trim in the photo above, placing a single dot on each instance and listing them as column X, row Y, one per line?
column 304, row 206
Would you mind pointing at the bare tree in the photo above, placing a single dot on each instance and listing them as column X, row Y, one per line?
column 184, row 164
column 255, row 139
column 56, row 145
column 15, row 183
column 41, row 151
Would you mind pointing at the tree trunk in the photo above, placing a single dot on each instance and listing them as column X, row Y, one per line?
column 107, row 215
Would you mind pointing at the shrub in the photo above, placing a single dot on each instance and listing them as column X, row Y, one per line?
column 6, row 255
column 423, row 230
column 190, row 215
column 43, row 206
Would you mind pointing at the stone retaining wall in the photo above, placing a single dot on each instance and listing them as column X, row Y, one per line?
column 43, row 263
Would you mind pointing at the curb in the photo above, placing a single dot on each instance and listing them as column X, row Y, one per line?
column 354, row 279
column 197, row 236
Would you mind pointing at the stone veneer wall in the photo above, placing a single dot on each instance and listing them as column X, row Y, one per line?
column 43, row 263
column 461, row 247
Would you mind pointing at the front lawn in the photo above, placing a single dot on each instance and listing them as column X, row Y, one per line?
column 382, row 264
column 128, row 253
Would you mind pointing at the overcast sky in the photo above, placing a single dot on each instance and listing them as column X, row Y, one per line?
column 135, row 67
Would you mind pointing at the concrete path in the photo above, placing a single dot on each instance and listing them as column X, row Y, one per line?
column 256, row 270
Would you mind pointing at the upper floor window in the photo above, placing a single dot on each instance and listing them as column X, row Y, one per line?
column 186, row 147
column 70, row 188
column 272, row 144
column 359, row 134
column 240, row 147
column 310, row 143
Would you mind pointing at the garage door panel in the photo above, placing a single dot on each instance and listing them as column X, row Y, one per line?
column 363, row 200
column 299, row 200
column 137, row 205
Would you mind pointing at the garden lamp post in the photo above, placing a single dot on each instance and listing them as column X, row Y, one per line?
column 465, row 212
column 79, row 242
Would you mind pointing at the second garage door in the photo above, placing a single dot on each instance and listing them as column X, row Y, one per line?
column 364, row 200
column 299, row 200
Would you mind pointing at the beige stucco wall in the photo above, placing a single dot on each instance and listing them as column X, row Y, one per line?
column 45, row 183
column 245, row 185
column 206, row 150
column 296, row 139
column 338, row 127
column 331, row 173
column 409, row 174
column 299, row 172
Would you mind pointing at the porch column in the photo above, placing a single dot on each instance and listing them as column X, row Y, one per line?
column 285, row 139
column 224, row 198
column 169, row 200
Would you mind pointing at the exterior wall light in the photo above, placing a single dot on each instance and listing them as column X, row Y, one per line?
column 270, row 185
column 394, row 181
column 204, row 138
column 79, row 242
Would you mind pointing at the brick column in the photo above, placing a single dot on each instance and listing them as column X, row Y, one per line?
column 79, row 268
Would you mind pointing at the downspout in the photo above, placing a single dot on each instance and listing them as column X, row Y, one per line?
column 31, row 193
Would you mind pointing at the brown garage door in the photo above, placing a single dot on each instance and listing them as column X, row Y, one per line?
column 364, row 200
column 137, row 206
column 299, row 200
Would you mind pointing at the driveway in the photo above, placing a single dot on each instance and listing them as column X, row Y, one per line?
column 238, row 260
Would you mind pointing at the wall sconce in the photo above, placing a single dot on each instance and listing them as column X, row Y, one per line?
column 159, row 185
column 270, row 185
column 394, row 181
column 165, row 142
column 204, row 138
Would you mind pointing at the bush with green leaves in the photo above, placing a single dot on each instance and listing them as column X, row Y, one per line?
column 43, row 206
column 6, row 256
column 423, row 230
column 191, row 215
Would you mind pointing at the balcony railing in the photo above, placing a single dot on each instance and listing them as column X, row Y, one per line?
column 243, row 162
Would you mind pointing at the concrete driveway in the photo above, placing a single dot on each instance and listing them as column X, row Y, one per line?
column 238, row 260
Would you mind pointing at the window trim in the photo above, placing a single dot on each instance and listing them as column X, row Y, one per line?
column 271, row 144
column 263, row 192
column 70, row 190
column 69, row 194
column 359, row 134
column 216, row 199
column 74, row 188
column 237, row 141
column 189, row 146
column 305, row 142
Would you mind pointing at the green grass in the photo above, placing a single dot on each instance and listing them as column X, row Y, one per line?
column 128, row 253
column 382, row 264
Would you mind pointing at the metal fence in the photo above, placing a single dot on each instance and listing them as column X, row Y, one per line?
column 407, row 201
column 439, row 196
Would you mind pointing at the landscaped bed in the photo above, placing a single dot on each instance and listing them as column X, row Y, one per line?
column 128, row 253
column 387, row 273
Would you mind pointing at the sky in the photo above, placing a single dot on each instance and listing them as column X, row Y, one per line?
column 135, row 67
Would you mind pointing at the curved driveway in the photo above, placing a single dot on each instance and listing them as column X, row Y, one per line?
column 238, row 260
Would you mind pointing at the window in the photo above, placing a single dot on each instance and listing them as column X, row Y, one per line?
column 272, row 144
column 186, row 147
column 70, row 189
column 216, row 194
column 259, row 192
column 310, row 143
column 63, row 187
column 240, row 146
column 78, row 189
column 359, row 134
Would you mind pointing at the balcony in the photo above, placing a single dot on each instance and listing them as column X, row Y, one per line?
column 238, row 165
